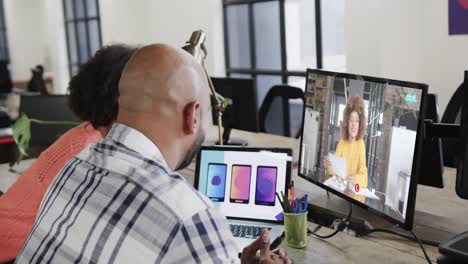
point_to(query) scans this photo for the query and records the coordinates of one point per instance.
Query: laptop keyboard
(245, 231)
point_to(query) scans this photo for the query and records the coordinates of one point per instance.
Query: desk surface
(439, 214)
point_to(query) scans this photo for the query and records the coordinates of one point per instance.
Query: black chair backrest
(48, 108)
(452, 115)
(271, 113)
(5, 79)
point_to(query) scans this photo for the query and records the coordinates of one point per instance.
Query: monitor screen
(241, 113)
(361, 140)
(242, 182)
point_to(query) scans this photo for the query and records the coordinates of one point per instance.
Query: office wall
(25, 31)
(445, 57)
(56, 45)
(405, 40)
(172, 22)
(36, 36)
(125, 21)
(383, 38)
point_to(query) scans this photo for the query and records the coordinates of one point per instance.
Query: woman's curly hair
(354, 104)
(94, 91)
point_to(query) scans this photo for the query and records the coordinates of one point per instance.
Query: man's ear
(191, 117)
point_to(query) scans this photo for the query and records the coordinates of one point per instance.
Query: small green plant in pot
(22, 133)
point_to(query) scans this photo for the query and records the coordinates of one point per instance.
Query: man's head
(94, 92)
(164, 94)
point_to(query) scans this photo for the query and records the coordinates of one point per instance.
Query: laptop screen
(242, 182)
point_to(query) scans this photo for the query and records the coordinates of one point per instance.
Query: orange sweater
(19, 205)
(355, 155)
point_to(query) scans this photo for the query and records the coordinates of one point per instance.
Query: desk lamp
(196, 46)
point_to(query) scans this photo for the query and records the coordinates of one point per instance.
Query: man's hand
(249, 254)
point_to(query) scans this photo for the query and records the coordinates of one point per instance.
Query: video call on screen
(359, 139)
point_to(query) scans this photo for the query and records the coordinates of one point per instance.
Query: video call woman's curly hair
(354, 104)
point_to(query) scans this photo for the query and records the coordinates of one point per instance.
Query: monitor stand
(325, 217)
(325, 210)
(231, 142)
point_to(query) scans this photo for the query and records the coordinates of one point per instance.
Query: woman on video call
(351, 146)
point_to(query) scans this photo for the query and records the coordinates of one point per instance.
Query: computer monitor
(242, 111)
(48, 108)
(433, 170)
(354, 145)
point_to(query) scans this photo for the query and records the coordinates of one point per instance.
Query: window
(275, 41)
(83, 30)
(4, 52)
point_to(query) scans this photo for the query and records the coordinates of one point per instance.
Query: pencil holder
(295, 229)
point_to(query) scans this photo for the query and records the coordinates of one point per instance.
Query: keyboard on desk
(246, 231)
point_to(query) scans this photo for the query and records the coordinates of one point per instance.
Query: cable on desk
(341, 226)
(414, 238)
(384, 230)
(422, 247)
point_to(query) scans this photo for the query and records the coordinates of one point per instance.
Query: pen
(293, 195)
(286, 204)
(295, 206)
(281, 203)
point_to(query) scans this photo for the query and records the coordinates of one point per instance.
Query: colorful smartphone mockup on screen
(240, 183)
(216, 183)
(266, 185)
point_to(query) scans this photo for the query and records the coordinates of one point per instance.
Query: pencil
(286, 203)
(281, 202)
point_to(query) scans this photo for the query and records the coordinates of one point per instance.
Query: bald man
(120, 200)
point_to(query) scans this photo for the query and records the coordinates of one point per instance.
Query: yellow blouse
(355, 155)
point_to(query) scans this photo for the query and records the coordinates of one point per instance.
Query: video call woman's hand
(326, 162)
(351, 179)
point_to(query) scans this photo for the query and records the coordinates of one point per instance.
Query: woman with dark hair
(351, 146)
(94, 99)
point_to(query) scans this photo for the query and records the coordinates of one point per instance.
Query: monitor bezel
(410, 209)
(287, 151)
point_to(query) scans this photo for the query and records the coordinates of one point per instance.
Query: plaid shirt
(118, 202)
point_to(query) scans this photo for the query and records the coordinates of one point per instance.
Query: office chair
(5, 78)
(409, 120)
(49, 108)
(278, 115)
(452, 115)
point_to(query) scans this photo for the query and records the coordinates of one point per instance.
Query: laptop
(242, 183)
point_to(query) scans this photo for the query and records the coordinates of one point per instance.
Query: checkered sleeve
(203, 238)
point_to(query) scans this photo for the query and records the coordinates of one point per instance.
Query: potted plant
(22, 133)
(398, 105)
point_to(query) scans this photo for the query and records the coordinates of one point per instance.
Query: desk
(435, 219)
